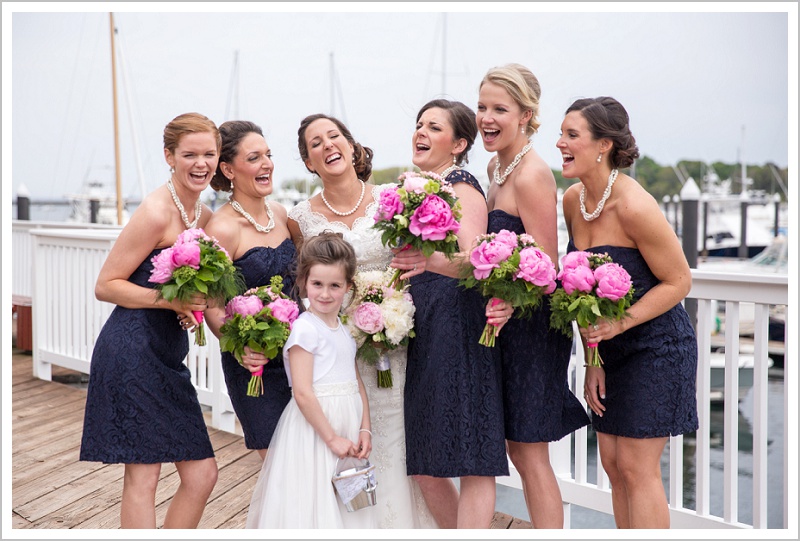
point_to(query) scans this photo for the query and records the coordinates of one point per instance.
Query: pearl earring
(171, 169)
(522, 129)
(600, 158)
(454, 161)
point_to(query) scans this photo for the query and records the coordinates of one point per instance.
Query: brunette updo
(608, 119)
(462, 120)
(232, 132)
(362, 156)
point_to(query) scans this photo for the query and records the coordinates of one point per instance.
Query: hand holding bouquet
(196, 263)
(592, 287)
(260, 319)
(422, 212)
(511, 267)
(380, 318)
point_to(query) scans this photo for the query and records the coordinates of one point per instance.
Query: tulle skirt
(294, 488)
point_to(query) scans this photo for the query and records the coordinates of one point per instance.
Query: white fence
(67, 318)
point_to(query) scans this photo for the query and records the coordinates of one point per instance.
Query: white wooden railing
(64, 265)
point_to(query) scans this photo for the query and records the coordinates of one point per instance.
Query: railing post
(690, 195)
(23, 203)
(743, 250)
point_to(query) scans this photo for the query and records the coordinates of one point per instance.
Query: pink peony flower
(368, 318)
(190, 236)
(246, 305)
(389, 204)
(572, 260)
(162, 266)
(487, 256)
(414, 183)
(613, 282)
(577, 278)
(433, 219)
(504, 236)
(285, 310)
(536, 267)
(187, 253)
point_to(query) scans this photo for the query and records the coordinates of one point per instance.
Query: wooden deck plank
(52, 489)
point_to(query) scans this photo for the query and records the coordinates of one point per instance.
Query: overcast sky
(711, 86)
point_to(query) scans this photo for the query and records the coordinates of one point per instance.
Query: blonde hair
(523, 87)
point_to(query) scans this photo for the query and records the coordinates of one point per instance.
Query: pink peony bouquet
(260, 319)
(592, 287)
(196, 263)
(422, 212)
(380, 318)
(511, 267)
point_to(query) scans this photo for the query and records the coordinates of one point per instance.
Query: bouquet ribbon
(256, 385)
(593, 355)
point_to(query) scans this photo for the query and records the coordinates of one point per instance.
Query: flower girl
(328, 415)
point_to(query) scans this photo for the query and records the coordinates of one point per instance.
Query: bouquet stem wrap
(255, 387)
(593, 355)
(384, 368)
(200, 331)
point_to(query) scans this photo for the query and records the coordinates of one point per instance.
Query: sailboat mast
(116, 121)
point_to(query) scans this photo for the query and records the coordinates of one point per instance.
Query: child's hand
(342, 447)
(364, 444)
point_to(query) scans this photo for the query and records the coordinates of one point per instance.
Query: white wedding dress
(400, 501)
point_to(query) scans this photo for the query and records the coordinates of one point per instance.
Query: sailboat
(95, 202)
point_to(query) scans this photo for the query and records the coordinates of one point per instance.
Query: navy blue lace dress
(453, 395)
(141, 406)
(259, 415)
(651, 369)
(539, 407)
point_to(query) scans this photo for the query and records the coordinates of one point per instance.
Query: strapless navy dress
(539, 407)
(259, 415)
(651, 369)
(141, 406)
(453, 393)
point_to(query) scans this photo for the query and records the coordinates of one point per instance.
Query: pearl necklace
(498, 179)
(589, 217)
(349, 212)
(198, 208)
(260, 228)
(449, 170)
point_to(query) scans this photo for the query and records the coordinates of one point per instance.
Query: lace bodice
(366, 240)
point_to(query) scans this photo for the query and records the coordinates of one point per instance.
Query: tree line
(659, 180)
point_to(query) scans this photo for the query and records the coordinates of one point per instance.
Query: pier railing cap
(22, 191)
(690, 190)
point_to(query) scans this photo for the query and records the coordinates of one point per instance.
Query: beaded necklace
(260, 228)
(606, 194)
(500, 179)
(198, 208)
(348, 213)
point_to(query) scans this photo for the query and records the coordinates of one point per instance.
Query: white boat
(95, 194)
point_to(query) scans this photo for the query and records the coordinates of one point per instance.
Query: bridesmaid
(141, 407)
(645, 390)
(453, 395)
(539, 407)
(254, 233)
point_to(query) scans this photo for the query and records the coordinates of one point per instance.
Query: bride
(346, 205)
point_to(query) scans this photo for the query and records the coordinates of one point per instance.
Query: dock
(52, 489)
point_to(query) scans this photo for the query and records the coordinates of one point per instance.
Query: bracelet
(365, 430)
